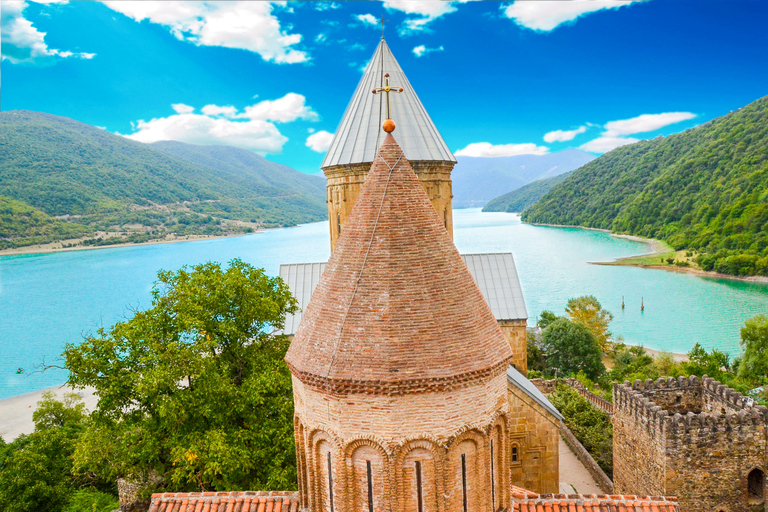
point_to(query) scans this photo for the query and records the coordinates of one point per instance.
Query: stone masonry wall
(712, 438)
(536, 435)
(515, 331)
(638, 449)
(346, 181)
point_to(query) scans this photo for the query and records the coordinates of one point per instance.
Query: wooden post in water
(642, 306)
(622, 302)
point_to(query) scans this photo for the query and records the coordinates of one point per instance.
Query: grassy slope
(703, 190)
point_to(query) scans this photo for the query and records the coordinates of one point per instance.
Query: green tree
(753, 365)
(587, 311)
(195, 389)
(36, 469)
(545, 318)
(571, 348)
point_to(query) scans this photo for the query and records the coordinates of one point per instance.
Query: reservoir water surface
(48, 300)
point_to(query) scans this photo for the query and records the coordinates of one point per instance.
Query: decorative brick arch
(320, 443)
(500, 456)
(468, 470)
(419, 468)
(357, 454)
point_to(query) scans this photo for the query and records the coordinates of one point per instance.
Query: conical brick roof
(359, 134)
(396, 309)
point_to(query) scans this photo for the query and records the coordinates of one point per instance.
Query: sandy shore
(57, 246)
(16, 412)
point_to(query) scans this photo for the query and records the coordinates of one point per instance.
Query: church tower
(359, 135)
(399, 366)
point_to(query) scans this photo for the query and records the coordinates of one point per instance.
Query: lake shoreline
(657, 247)
(55, 247)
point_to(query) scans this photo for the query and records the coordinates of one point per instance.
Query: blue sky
(498, 78)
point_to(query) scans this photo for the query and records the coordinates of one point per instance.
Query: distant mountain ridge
(703, 190)
(478, 180)
(99, 182)
(518, 200)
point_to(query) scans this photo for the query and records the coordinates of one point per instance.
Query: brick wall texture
(399, 366)
(692, 438)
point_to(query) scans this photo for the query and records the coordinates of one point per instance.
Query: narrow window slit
(338, 224)
(493, 480)
(330, 481)
(370, 486)
(464, 480)
(419, 491)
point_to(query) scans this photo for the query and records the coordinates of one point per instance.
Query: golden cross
(382, 20)
(386, 90)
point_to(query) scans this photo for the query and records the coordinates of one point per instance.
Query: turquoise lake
(49, 300)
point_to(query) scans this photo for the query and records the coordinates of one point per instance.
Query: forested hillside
(520, 199)
(705, 190)
(68, 178)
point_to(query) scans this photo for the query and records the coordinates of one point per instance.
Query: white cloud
(563, 135)
(319, 141)
(181, 108)
(489, 150)
(423, 50)
(645, 123)
(252, 129)
(605, 143)
(245, 25)
(324, 6)
(367, 19)
(22, 43)
(321, 38)
(290, 107)
(546, 16)
(215, 110)
(424, 12)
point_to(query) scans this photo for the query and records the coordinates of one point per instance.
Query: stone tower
(399, 366)
(359, 135)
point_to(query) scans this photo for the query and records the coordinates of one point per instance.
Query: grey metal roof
(359, 134)
(518, 380)
(495, 275)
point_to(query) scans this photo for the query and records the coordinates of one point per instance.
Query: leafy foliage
(587, 311)
(705, 189)
(36, 470)
(592, 427)
(753, 365)
(520, 199)
(97, 181)
(194, 389)
(571, 348)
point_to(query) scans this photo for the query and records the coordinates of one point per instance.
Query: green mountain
(520, 199)
(89, 182)
(704, 190)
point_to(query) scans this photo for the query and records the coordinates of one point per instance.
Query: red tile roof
(244, 501)
(396, 308)
(527, 501)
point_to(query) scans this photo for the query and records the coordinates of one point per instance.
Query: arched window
(466, 478)
(367, 481)
(756, 485)
(338, 224)
(515, 453)
(419, 479)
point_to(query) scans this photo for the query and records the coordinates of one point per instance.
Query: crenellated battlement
(692, 437)
(671, 408)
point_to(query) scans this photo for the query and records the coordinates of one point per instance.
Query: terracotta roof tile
(396, 305)
(244, 501)
(527, 501)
